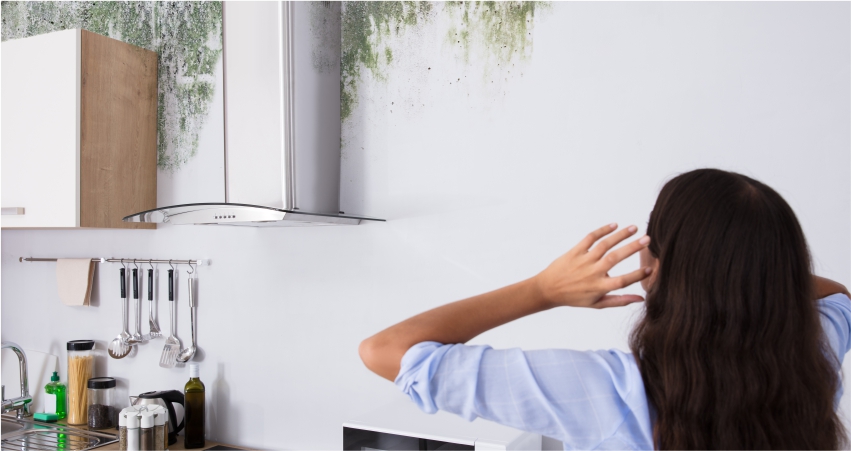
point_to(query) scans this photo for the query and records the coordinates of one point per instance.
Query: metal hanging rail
(199, 262)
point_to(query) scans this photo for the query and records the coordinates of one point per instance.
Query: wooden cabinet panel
(118, 132)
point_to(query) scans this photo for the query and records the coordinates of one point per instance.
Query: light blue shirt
(586, 399)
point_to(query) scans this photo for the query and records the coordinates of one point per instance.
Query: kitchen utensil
(155, 328)
(172, 344)
(137, 336)
(118, 348)
(166, 399)
(187, 353)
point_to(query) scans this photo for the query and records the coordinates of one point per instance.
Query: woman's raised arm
(578, 278)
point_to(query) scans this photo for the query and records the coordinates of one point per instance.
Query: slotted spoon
(119, 348)
(172, 344)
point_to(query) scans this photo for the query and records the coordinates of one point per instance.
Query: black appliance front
(361, 440)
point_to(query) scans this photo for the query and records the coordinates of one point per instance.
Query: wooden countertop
(177, 446)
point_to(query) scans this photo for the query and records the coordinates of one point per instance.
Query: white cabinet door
(40, 139)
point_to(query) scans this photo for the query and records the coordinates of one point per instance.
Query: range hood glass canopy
(240, 215)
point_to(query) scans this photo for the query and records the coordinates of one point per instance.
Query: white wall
(616, 99)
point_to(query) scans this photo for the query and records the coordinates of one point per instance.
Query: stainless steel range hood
(281, 63)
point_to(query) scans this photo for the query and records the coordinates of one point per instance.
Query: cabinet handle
(12, 211)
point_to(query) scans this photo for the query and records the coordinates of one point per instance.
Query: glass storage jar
(80, 366)
(101, 401)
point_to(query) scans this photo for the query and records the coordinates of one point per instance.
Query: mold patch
(365, 27)
(186, 35)
(325, 30)
(497, 33)
(502, 31)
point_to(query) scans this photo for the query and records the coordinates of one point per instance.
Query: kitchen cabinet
(79, 131)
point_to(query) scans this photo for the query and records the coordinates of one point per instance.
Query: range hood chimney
(281, 64)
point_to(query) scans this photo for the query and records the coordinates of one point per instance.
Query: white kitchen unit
(78, 132)
(403, 426)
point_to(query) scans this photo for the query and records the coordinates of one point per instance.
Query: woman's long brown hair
(731, 348)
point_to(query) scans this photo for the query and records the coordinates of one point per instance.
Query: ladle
(119, 348)
(186, 354)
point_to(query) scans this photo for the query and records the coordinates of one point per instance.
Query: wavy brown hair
(730, 346)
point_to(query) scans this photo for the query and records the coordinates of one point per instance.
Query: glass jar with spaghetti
(80, 366)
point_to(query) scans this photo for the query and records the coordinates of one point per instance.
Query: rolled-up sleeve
(578, 397)
(835, 312)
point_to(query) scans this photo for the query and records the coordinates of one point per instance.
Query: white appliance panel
(253, 103)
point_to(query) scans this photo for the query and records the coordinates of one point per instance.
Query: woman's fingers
(623, 252)
(625, 280)
(612, 300)
(586, 243)
(604, 246)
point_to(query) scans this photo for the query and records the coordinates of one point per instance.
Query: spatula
(172, 344)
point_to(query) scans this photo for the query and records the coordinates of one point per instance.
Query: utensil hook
(134, 264)
(193, 270)
(169, 264)
(122, 264)
(151, 265)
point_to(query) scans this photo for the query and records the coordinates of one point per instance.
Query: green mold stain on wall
(187, 37)
(503, 28)
(500, 32)
(364, 26)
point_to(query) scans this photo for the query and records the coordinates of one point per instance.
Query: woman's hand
(580, 277)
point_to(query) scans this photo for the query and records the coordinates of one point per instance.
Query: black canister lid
(81, 345)
(102, 382)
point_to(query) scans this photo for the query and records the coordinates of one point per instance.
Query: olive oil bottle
(194, 406)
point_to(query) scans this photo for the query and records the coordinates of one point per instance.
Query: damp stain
(366, 26)
(325, 32)
(503, 30)
(499, 33)
(186, 36)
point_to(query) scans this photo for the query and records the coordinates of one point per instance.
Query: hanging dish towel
(74, 279)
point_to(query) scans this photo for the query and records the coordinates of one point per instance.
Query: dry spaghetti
(79, 373)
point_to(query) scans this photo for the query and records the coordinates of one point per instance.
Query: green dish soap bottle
(194, 406)
(54, 401)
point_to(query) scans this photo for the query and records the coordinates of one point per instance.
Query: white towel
(74, 279)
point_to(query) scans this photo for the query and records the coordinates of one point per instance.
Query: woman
(739, 346)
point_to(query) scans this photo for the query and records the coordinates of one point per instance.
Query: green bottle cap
(55, 377)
